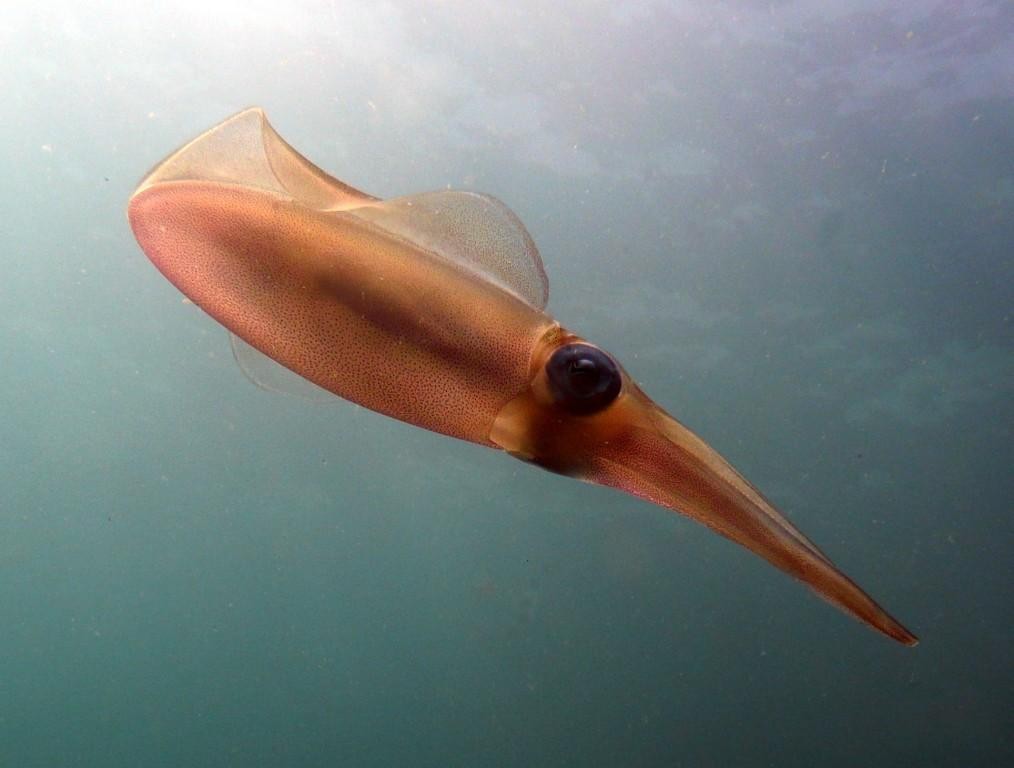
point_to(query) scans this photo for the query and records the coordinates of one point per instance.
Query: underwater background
(793, 222)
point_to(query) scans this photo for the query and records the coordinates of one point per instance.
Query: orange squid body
(431, 309)
(325, 295)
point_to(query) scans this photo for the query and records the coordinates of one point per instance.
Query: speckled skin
(357, 312)
(388, 309)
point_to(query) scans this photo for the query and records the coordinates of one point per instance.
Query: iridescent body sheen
(431, 309)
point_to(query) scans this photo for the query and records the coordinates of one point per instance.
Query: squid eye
(583, 379)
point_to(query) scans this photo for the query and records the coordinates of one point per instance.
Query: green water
(792, 222)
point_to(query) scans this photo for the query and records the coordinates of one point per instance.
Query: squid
(431, 309)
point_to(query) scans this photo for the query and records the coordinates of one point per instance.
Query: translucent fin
(275, 377)
(475, 232)
(244, 149)
(472, 231)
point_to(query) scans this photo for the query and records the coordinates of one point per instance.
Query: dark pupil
(583, 378)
